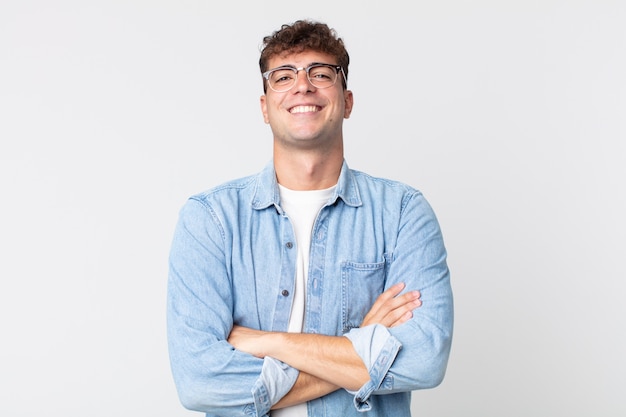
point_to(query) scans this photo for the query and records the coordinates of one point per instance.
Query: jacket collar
(266, 193)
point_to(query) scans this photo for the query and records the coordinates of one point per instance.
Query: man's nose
(303, 84)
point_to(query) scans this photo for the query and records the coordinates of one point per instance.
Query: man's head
(303, 102)
(301, 36)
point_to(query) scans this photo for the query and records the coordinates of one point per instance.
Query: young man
(309, 288)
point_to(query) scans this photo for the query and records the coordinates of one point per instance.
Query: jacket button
(289, 245)
(285, 293)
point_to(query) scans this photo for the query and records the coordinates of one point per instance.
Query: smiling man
(309, 289)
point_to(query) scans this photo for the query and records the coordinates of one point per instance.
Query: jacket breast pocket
(361, 284)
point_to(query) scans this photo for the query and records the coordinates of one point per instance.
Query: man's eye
(322, 73)
(283, 76)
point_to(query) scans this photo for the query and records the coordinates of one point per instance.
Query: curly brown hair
(304, 35)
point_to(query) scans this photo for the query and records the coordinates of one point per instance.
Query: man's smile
(304, 109)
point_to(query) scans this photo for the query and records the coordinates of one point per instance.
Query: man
(309, 288)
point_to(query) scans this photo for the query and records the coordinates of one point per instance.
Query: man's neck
(307, 170)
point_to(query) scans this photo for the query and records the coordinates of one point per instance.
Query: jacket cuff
(378, 350)
(275, 381)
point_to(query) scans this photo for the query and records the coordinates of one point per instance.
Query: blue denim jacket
(233, 260)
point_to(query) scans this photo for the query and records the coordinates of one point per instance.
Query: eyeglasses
(320, 75)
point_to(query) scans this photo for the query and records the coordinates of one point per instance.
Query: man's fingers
(403, 309)
(391, 309)
(403, 319)
(389, 294)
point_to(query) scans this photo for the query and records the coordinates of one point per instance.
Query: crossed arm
(326, 363)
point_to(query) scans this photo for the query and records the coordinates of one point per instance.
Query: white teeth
(304, 109)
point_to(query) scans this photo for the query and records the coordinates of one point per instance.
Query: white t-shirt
(302, 208)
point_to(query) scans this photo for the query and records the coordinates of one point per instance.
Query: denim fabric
(233, 260)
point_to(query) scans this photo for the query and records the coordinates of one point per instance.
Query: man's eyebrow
(322, 63)
(306, 66)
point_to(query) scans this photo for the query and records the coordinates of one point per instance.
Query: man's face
(306, 117)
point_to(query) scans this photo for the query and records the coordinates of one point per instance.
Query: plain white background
(508, 115)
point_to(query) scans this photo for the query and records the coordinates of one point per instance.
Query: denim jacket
(233, 261)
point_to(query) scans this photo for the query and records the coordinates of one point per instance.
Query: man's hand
(247, 340)
(391, 309)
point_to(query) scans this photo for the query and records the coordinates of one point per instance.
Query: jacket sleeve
(209, 374)
(415, 354)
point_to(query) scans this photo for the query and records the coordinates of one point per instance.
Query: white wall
(508, 115)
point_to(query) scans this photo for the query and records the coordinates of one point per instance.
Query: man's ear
(263, 102)
(348, 103)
